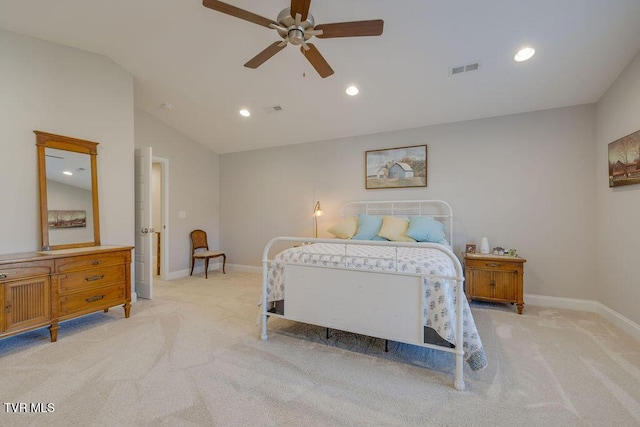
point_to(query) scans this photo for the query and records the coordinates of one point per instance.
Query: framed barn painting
(624, 160)
(396, 167)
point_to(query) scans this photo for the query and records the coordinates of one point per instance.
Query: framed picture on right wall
(624, 160)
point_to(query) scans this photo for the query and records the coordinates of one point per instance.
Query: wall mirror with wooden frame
(68, 180)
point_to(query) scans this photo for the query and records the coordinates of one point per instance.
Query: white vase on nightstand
(484, 246)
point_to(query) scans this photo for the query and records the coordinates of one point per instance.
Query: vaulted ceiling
(192, 57)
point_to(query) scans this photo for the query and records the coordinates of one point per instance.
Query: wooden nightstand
(494, 278)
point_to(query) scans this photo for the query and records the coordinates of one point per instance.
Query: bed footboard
(381, 304)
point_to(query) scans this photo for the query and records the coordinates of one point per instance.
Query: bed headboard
(437, 209)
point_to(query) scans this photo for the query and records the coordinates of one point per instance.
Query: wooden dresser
(494, 278)
(43, 288)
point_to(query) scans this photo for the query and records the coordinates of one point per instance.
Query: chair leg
(193, 261)
(224, 261)
(206, 268)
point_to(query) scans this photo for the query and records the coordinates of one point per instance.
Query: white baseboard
(620, 321)
(245, 268)
(213, 266)
(559, 302)
(173, 275)
(612, 316)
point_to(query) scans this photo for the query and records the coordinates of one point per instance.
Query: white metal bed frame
(359, 299)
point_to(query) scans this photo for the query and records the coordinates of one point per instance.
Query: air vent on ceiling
(459, 69)
(273, 109)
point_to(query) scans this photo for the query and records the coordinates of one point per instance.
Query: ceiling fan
(296, 25)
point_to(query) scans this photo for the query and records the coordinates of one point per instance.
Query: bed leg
(458, 381)
(264, 335)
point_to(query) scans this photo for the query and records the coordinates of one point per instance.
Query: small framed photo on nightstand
(470, 248)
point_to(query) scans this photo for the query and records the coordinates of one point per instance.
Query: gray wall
(70, 92)
(525, 181)
(193, 187)
(618, 249)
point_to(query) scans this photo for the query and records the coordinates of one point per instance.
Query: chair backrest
(199, 240)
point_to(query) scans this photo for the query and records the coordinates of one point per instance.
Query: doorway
(159, 216)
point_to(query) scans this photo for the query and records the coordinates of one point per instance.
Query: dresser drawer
(92, 300)
(84, 262)
(497, 264)
(93, 278)
(25, 269)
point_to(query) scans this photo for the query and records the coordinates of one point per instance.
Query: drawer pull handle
(94, 298)
(95, 262)
(3, 275)
(492, 264)
(93, 278)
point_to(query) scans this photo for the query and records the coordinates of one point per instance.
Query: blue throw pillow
(368, 227)
(425, 229)
(380, 238)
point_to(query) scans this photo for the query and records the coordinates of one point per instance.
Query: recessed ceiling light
(352, 91)
(67, 173)
(244, 112)
(167, 106)
(524, 54)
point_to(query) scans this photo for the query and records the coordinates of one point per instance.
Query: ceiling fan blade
(262, 57)
(315, 58)
(301, 7)
(351, 29)
(238, 13)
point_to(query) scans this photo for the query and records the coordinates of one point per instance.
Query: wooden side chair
(200, 250)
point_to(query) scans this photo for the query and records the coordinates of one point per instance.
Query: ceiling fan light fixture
(524, 54)
(244, 112)
(352, 90)
(296, 36)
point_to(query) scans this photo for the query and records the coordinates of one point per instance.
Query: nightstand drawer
(494, 264)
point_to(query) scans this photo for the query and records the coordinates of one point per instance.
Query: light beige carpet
(193, 357)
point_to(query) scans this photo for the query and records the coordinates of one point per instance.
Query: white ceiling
(192, 57)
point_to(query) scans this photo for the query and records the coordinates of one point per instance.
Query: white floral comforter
(440, 300)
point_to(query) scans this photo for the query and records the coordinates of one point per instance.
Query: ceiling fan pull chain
(304, 66)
